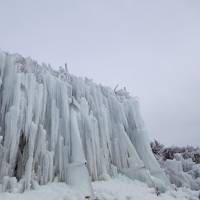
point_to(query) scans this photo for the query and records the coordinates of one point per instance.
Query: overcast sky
(151, 47)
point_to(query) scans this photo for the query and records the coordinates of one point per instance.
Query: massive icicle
(57, 126)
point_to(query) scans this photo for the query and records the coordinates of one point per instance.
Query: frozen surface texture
(55, 126)
(119, 188)
(181, 164)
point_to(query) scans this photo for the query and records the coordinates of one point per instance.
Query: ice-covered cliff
(55, 126)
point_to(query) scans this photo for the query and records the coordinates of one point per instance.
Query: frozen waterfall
(58, 127)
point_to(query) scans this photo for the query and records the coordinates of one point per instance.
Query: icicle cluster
(55, 126)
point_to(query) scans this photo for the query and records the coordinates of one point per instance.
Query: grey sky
(151, 47)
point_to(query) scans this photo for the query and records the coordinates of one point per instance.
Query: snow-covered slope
(58, 126)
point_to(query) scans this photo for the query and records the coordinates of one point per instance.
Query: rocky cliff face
(55, 126)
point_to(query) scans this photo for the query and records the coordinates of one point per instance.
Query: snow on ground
(120, 188)
(123, 188)
(51, 191)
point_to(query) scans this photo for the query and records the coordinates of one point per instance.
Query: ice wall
(55, 126)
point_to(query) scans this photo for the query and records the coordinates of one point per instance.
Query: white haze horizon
(150, 47)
